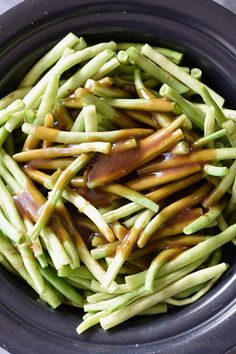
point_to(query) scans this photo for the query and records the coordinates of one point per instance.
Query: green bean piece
(106, 68)
(134, 196)
(156, 263)
(181, 148)
(204, 141)
(207, 97)
(230, 128)
(105, 91)
(230, 207)
(32, 267)
(201, 292)
(81, 44)
(157, 195)
(215, 170)
(173, 55)
(192, 112)
(209, 125)
(66, 137)
(48, 60)
(4, 262)
(16, 106)
(55, 248)
(9, 208)
(90, 119)
(80, 271)
(170, 211)
(86, 72)
(3, 135)
(219, 191)
(126, 246)
(56, 193)
(159, 296)
(122, 56)
(14, 258)
(154, 310)
(155, 71)
(174, 70)
(196, 73)
(62, 286)
(88, 209)
(13, 96)
(78, 125)
(62, 151)
(105, 251)
(83, 97)
(205, 219)
(9, 230)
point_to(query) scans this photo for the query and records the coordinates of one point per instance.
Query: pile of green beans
(118, 183)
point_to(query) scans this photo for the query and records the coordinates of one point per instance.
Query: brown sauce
(96, 196)
(115, 165)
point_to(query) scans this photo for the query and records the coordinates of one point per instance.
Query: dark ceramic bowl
(206, 32)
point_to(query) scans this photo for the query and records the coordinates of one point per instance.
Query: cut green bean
(90, 119)
(207, 139)
(13, 96)
(173, 69)
(32, 267)
(230, 207)
(155, 71)
(48, 60)
(219, 191)
(181, 148)
(205, 219)
(156, 263)
(6, 113)
(196, 296)
(62, 286)
(62, 151)
(9, 230)
(7, 204)
(215, 170)
(151, 300)
(230, 128)
(209, 125)
(122, 56)
(187, 107)
(106, 68)
(86, 72)
(65, 137)
(170, 211)
(134, 196)
(154, 310)
(78, 125)
(196, 73)
(80, 44)
(126, 246)
(173, 55)
(56, 194)
(105, 91)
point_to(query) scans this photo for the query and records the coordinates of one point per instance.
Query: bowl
(206, 33)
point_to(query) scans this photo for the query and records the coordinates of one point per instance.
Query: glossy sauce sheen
(118, 164)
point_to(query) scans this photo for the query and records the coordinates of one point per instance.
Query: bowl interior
(203, 48)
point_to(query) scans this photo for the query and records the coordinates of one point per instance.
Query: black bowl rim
(38, 12)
